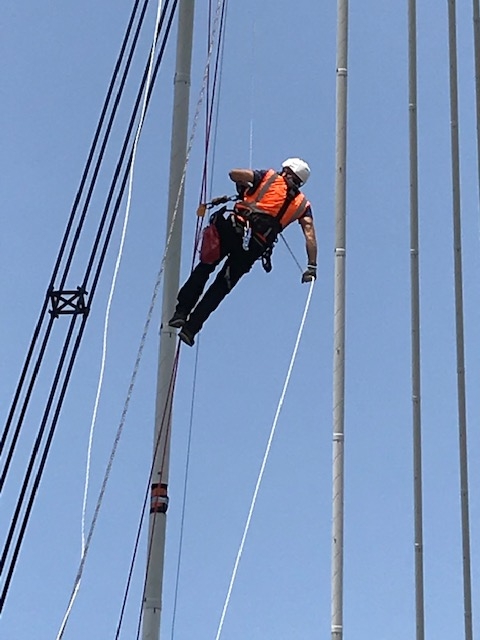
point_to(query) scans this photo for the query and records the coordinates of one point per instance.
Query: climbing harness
(247, 234)
(275, 197)
(248, 220)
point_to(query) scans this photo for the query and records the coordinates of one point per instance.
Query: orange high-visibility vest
(269, 198)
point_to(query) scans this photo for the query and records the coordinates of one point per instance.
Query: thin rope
(147, 322)
(108, 309)
(252, 88)
(205, 186)
(459, 320)
(165, 420)
(168, 424)
(116, 270)
(194, 128)
(264, 462)
(220, 76)
(185, 489)
(291, 253)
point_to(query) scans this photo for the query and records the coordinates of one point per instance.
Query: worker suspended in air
(268, 202)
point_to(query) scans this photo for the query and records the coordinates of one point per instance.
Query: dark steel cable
(68, 229)
(105, 247)
(291, 252)
(26, 401)
(35, 449)
(49, 404)
(67, 233)
(46, 449)
(125, 147)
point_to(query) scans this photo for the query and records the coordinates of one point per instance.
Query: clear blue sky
(279, 74)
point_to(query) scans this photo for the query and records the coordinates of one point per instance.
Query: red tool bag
(210, 250)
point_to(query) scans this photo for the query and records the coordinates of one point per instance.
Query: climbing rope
(108, 308)
(263, 465)
(185, 488)
(146, 328)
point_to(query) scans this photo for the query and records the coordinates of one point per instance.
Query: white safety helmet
(299, 167)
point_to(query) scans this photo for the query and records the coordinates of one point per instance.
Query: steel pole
(157, 526)
(339, 322)
(460, 346)
(476, 37)
(415, 321)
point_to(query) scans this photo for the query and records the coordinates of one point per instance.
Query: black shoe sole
(187, 339)
(177, 323)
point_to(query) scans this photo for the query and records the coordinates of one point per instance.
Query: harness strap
(291, 193)
(266, 186)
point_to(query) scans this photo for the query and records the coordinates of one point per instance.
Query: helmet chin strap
(291, 178)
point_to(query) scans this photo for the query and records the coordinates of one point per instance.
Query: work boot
(187, 336)
(178, 319)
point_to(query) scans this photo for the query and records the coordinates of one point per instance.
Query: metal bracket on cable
(68, 302)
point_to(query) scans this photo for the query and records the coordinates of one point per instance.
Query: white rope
(264, 462)
(86, 545)
(252, 88)
(107, 311)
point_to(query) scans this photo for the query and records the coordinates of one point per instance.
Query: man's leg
(191, 291)
(238, 263)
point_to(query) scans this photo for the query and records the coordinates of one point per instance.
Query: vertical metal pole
(461, 392)
(476, 38)
(339, 322)
(157, 530)
(415, 320)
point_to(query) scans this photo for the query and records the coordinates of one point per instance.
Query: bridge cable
(80, 310)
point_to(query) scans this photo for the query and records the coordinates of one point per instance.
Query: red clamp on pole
(159, 498)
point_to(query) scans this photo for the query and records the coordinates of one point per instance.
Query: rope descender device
(202, 207)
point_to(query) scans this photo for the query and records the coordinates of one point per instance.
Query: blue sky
(279, 77)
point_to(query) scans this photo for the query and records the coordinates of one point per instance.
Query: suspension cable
(81, 310)
(69, 228)
(56, 268)
(107, 314)
(165, 420)
(185, 488)
(263, 465)
(415, 323)
(143, 339)
(460, 345)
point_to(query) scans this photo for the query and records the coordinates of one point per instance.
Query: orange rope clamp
(159, 498)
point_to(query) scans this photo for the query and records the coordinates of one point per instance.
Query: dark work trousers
(237, 263)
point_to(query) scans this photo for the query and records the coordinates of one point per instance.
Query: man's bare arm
(308, 229)
(242, 176)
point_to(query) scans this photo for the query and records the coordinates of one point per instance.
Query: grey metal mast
(415, 321)
(476, 36)
(339, 322)
(168, 340)
(461, 391)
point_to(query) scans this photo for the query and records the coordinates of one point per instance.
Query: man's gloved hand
(310, 274)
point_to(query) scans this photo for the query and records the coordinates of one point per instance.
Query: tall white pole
(339, 322)
(415, 321)
(156, 545)
(461, 391)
